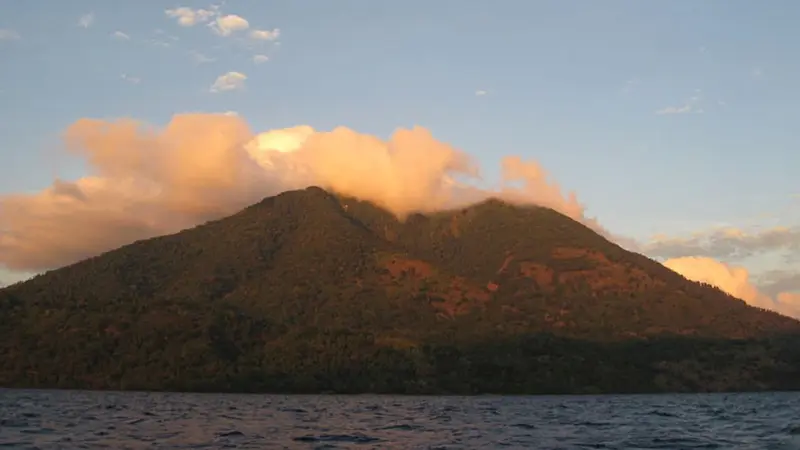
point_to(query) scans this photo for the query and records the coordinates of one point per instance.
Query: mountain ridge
(311, 291)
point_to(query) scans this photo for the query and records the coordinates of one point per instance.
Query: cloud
(690, 106)
(188, 17)
(200, 58)
(7, 34)
(260, 59)
(630, 85)
(726, 243)
(131, 79)
(774, 282)
(227, 25)
(121, 36)
(266, 35)
(86, 20)
(229, 82)
(736, 282)
(757, 72)
(145, 182)
(480, 93)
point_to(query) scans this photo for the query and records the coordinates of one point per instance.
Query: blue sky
(665, 118)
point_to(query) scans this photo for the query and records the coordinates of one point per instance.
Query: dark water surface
(72, 419)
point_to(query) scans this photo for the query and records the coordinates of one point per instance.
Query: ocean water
(117, 420)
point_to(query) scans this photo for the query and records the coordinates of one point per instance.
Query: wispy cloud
(266, 35)
(630, 85)
(260, 59)
(86, 20)
(757, 72)
(690, 106)
(481, 93)
(726, 243)
(7, 34)
(188, 17)
(131, 79)
(230, 81)
(200, 58)
(774, 282)
(121, 36)
(229, 24)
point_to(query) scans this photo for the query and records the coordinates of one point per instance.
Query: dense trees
(299, 294)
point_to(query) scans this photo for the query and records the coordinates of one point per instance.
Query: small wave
(659, 413)
(293, 410)
(402, 427)
(351, 438)
(232, 433)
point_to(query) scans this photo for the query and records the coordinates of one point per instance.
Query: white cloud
(757, 72)
(7, 34)
(86, 20)
(130, 79)
(200, 58)
(229, 82)
(266, 35)
(691, 106)
(188, 17)
(260, 59)
(120, 35)
(227, 25)
(480, 93)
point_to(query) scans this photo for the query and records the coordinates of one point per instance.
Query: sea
(42, 419)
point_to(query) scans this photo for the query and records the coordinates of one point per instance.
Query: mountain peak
(308, 280)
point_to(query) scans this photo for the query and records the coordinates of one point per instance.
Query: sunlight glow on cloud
(188, 17)
(266, 35)
(146, 182)
(229, 82)
(735, 281)
(227, 25)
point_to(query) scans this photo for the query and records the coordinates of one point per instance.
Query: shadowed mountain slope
(309, 291)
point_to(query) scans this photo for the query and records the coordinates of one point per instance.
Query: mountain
(309, 291)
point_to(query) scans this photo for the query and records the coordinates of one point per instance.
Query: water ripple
(89, 420)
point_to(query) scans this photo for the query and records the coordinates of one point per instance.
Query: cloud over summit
(146, 181)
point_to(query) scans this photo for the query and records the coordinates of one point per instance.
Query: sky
(669, 122)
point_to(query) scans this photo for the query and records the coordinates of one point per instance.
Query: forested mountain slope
(308, 291)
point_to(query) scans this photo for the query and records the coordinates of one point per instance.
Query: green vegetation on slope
(311, 292)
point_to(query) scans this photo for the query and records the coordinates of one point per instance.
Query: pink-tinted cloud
(736, 282)
(146, 182)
